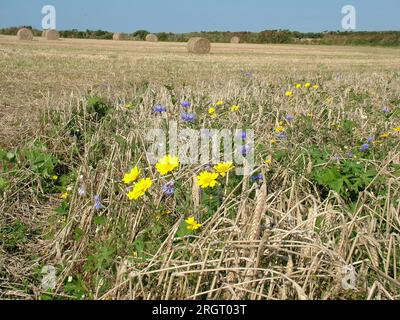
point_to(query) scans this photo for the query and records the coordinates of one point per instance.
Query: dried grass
(199, 45)
(25, 34)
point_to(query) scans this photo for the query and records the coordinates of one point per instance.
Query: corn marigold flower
(298, 86)
(54, 178)
(223, 168)
(316, 87)
(140, 188)
(289, 93)
(397, 129)
(131, 176)
(167, 165)
(235, 108)
(307, 85)
(192, 224)
(385, 135)
(207, 179)
(279, 129)
(64, 196)
(268, 161)
(211, 111)
(220, 103)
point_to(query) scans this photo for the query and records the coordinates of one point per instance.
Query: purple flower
(188, 117)
(386, 110)
(159, 108)
(281, 135)
(243, 135)
(364, 147)
(97, 203)
(289, 118)
(169, 188)
(258, 177)
(185, 104)
(371, 139)
(245, 150)
(350, 155)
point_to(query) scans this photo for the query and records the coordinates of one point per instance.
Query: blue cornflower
(159, 108)
(188, 117)
(185, 104)
(364, 147)
(243, 135)
(245, 150)
(169, 188)
(350, 155)
(386, 110)
(281, 135)
(371, 139)
(97, 202)
(289, 118)
(258, 177)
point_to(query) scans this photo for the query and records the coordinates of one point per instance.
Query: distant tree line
(384, 38)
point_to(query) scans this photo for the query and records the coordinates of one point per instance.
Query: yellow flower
(54, 177)
(316, 87)
(140, 189)
(289, 93)
(235, 108)
(193, 225)
(207, 179)
(223, 168)
(307, 85)
(268, 161)
(131, 176)
(167, 164)
(385, 135)
(274, 142)
(211, 111)
(279, 129)
(64, 196)
(299, 86)
(220, 103)
(397, 129)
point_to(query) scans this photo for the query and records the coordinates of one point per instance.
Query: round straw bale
(151, 38)
(119, 36)
(199, 45)
(52, 35)
(235, 40)
(24, 34)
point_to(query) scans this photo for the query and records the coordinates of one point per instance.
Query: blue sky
(203, 15)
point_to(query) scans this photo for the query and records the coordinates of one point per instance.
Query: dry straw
(151, 38)
(24, 34)
(44, 33)
(52, 35)
(119, 36)
(199, 45)
(235, 40)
